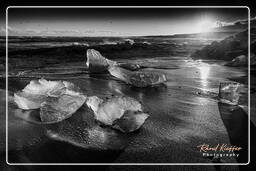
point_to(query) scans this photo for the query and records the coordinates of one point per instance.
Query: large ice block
(96, 63)
(109, 111)
(56, 109)
(137, 78)
(229, 92)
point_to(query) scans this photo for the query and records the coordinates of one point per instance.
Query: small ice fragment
(137, 78)
(56, 109)
(229, 92)
(108, 112)
(96, 63)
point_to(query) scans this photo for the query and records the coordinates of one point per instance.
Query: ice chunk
(57, 100)
(96, 63)
(229, 92)
(56, 109)
(37, 91)
(108, 112)
(130, 121)
(137, 78)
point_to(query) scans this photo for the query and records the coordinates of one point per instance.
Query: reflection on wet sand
(204, 70)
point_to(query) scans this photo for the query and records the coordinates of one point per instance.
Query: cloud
(237, 22)
(234, 26)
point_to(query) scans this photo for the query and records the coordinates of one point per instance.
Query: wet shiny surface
(184, 113)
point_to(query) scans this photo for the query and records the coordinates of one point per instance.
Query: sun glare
(205, 25)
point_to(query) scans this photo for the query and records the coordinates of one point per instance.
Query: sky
(117, 21)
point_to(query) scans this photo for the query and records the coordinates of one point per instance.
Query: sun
(205, 25)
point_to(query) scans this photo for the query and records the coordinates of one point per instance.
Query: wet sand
(184, 113)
